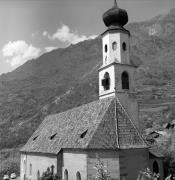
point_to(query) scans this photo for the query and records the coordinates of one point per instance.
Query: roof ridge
(117, 133)
(83, 105)
(43, 123)
(68, 124)
(129, 118)
(100, 123)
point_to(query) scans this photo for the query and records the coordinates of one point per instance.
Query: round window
(124, 46)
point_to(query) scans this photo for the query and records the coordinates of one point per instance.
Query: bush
(9, 161)
(102, 173)
(49, 175)
(146, 174)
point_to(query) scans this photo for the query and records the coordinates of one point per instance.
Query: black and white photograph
(87, 89)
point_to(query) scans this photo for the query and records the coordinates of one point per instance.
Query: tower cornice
(115, 63)
(115, 30)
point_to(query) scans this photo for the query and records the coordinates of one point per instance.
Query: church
(70, 141)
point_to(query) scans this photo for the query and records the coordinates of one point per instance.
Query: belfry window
(106, 48)
(106, 81)
(125, 80)
(114, 46)
(124, 46)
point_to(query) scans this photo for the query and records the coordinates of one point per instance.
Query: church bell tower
(116, 76)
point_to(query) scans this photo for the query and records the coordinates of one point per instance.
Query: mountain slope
(66, 78)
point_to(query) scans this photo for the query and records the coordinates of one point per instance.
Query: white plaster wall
(119, 69)
(111, 72)
(75, 161)
(129, 103)
(112, 56)
(115, 54)
(105, 41)
(38, 162)
(125, 55)
(23, 166)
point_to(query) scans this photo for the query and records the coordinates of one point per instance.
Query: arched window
(30, 169)
(106, 48)
(114, 46)
(66, 174)
(124, 46)
(78, 175)
(155, 167)
(106, 81)
(38, 175)
(125, 80)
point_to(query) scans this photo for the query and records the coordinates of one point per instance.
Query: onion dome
(115, 16)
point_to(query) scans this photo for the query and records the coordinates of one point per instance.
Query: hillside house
(70, 141)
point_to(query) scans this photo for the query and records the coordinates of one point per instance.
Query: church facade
(69, 142)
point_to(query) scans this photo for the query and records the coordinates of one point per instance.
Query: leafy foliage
(10, 161)
(102, 172)
(146, 174)
(49, 175)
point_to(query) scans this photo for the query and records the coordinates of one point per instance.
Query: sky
(29, 28)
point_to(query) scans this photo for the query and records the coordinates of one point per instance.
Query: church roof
(102, 124)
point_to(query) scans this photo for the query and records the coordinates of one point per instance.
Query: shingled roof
(102, 124)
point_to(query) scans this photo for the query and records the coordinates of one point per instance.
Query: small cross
(115, 2)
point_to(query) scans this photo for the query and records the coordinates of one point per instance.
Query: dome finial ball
(115, 16)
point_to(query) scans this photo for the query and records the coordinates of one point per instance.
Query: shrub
(102, 172)
(146, 174)
(49, 175)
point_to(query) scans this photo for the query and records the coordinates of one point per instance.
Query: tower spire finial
(115, 2)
